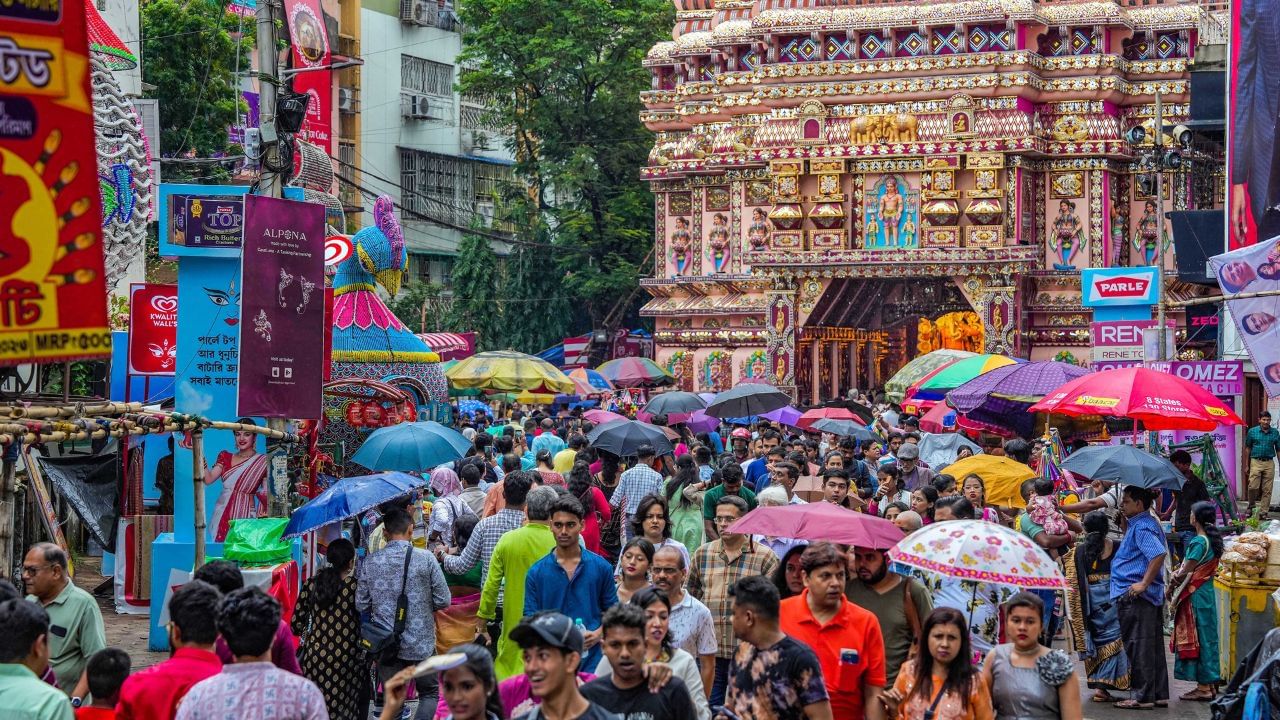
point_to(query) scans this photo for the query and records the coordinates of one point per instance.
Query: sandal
(1197, 696)
(1102, 696)
(1134, 705)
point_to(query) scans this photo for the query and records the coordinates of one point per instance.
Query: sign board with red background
(312, 52)
(153, 329)
(53, 299)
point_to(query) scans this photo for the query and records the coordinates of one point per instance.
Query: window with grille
(452, 189)
(425, 76)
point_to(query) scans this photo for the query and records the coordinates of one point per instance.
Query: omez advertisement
(53, 299)
(282, 309)
(153, 329)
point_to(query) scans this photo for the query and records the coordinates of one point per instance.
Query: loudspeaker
(1197, 236)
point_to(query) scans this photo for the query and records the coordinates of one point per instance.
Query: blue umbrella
(474, 406)
(349, 497)
(411, 447)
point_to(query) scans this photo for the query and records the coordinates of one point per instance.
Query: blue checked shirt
(634, 484)
(483, 540)
(1143, 542)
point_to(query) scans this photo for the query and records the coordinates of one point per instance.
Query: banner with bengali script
(311, 53)
(1255, 269)
(282, 321)
(53, 297)
(153, 329)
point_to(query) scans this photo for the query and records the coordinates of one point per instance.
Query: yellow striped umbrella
(509, 371)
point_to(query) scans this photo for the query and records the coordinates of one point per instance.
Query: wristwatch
(76, 702)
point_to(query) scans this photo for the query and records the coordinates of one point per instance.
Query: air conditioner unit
(417, 107)
(423, 12)
(347, 99)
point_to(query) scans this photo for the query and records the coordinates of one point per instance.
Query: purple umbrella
(1002, 396)
(784, 415)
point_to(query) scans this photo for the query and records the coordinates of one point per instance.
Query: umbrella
(600, 417)
(474, 406)
(591, 378)
(912, 372)
(748, 399)
(1125, 465)
(845, 428)
(788, 416)
(819, 521)
(939, 449)
(1002, 476)
(412, 446)
(1001, 397)
(834, 413)
(936, 385)
(979, 551)
(699, 421)
(1160, 401)
(635, 372)
(349, 497)
(672, 403)
(508, 371)
(941, 418)
(624, 437)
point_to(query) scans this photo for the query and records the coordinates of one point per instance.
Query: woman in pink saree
(244, 482)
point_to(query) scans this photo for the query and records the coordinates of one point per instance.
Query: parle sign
(1107, 287)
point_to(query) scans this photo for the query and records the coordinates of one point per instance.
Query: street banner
(206, 221)
(153, 329)
(311, 54)
(282, 319)
(1253, 269)
(1255, 184)
(53, 298)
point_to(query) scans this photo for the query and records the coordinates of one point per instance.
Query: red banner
(311, 52)
(53, 299)
(153, 329)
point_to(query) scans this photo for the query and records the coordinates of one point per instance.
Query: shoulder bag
(376, 637)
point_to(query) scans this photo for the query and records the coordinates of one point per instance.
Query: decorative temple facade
(842, 185)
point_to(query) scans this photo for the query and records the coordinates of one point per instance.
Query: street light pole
(1162, 350)
(268, 83)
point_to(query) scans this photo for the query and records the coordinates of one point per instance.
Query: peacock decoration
(370, 342)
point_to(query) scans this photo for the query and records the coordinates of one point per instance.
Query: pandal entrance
(861, 331)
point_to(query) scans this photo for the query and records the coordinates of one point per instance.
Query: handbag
(376, 637)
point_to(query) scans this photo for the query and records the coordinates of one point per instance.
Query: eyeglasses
(33, 570)
(725, 518)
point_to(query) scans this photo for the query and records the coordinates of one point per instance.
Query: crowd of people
(614, 587)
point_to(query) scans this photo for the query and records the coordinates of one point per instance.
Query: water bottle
(582, 627)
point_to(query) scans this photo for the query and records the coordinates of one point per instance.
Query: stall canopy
(450, 346)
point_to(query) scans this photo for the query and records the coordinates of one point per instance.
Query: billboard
(1250, 271)
(153, 329)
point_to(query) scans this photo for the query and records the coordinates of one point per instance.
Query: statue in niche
(758, 233)
(681, 240)
(890, 213)
(1147, 240)
(1067, 238)
(719, 241)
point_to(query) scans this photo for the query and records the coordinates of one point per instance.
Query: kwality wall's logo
(1120, 286)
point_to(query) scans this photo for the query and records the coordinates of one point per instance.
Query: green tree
(420, 307)
(536, 314)
(565, 77)
(475, 292)
(189, 53)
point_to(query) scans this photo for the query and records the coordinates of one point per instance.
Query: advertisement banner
(282, 319)
(311, 53)
(206, 221)
(53, 296)
(1255, 184)
(1110, 287)
(1119, 340)
(153, 329)
(1254, 269)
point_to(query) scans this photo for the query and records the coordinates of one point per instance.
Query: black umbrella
(670, 403)
(845, 428)
(861, 411)
(624, 437)
(1125, 465)
(746, 400)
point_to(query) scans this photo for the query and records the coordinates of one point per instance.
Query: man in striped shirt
(636, 483)
(515, 487)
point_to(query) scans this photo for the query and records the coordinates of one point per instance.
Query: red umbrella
(600, 417)
(820, 521)
(834, 413)
(1160, 401)
(936, 420)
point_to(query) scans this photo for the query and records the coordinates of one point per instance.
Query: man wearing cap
(636, 483)
(552, 649)
(914, 475)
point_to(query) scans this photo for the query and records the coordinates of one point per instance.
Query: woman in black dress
(328, 625)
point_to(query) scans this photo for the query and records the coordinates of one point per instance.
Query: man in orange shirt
(845, 637)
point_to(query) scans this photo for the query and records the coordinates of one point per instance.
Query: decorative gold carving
(945, 237)
(759, 193)
(983, 237)
(1066, 185)
(1070, 128)
(679, 204)
(717, 198)
(984, 160)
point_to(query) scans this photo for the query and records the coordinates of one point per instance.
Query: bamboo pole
(1224, 298)
(197, 474)
(8, 515)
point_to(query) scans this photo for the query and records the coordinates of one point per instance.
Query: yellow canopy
(508, 371)
(1002, 476)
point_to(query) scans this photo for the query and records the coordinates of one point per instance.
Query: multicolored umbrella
(820, 521)
(979, 551)
(935, 386)
(635, 372)
(1002, 476)
(911, 373)
(510, 371)
(1001, 397)
(1160, 401)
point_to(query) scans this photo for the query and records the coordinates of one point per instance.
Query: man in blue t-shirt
(1137, 588)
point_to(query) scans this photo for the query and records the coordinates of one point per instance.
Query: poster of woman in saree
(244, 481)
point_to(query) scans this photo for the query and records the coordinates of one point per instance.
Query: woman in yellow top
(940, 682)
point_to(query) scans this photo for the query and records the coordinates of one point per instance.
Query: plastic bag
(257, 541)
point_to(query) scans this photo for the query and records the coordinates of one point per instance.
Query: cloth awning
(450, 346)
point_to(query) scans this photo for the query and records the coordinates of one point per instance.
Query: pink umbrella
(820, 521)
(600, 417)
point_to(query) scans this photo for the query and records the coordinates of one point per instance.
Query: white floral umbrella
(980, 551)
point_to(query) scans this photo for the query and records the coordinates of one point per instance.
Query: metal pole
(1160, 243)
(8, 516)
(268, 82)
(197, 474)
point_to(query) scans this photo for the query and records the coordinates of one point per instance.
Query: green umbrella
(952, 376)
(911, 373)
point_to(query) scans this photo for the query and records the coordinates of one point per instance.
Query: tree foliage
(420, 307)
(565, 77)
(189, 51)
(475, 292)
